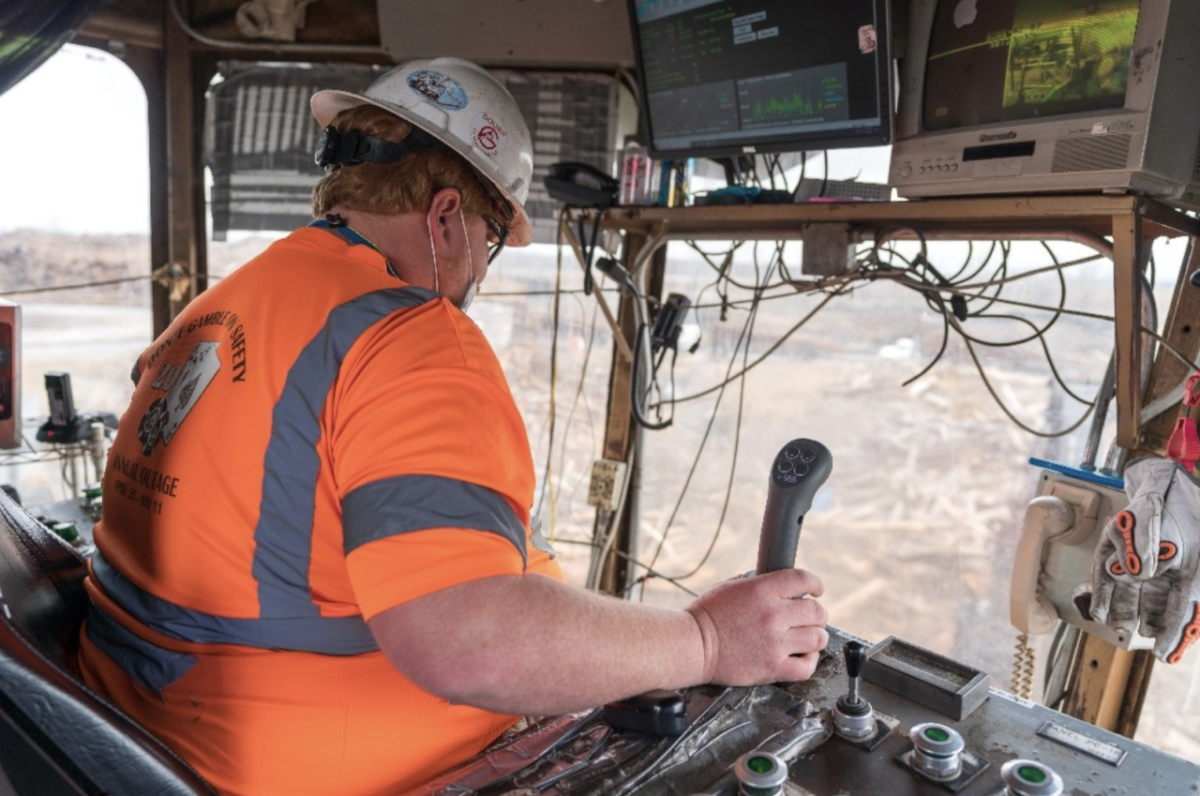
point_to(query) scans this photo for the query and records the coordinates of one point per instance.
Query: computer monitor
(736, 77)
(1049, 96)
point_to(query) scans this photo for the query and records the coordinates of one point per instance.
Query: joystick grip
(856, 656)
(797, 473)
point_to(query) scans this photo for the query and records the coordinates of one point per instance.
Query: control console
(884, 719)
(837, 734)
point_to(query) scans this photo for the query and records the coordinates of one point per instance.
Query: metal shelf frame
(1108, 686)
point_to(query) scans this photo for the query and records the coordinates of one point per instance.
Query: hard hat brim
(329, 103)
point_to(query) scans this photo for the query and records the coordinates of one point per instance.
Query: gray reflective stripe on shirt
(410, 503)
(283, 537)
(149, 664)
(343, 635)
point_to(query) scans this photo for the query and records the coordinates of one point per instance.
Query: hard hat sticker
(441, 90)
(488, 135)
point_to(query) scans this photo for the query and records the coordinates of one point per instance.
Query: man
(316, 573)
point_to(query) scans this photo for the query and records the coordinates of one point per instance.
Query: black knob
(856, 656)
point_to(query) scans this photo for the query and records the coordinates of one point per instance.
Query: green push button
(760, 765)
(66, 531)
(1032, 774)
(937, 734)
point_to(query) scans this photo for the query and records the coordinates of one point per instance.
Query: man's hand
(1145, 567)
(762, 629)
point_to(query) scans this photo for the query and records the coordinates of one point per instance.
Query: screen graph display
(734, 76)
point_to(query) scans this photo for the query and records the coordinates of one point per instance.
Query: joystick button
(807, 455)
(791, 452)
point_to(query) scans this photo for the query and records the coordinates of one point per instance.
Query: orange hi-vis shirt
(310, 443)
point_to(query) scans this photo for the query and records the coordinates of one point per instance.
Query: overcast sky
(74, 144)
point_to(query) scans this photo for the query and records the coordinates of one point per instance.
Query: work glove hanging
(1144, 575)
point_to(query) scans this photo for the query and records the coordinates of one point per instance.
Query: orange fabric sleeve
(423, 395)
(391, 571)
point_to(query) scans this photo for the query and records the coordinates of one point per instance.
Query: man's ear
(443, 214)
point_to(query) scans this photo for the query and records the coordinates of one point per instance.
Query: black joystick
(797, 473)
(853, 716)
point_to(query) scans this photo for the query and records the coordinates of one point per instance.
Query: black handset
(798, 471)
(581, 185)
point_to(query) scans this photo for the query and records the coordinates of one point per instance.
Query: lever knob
(853, 717)
(856, 656)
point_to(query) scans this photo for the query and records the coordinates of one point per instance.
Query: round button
(760, 773)
(1030, 778)
(937, 751)
(791, 452)
(807, 455)
(906, 171)
(953, 167)
(784, 466)
(801, 469)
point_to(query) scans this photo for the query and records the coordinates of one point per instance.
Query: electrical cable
(581, 395)
(967, 260)
(547, 485)
(588, 246)
(1004, 408)
(933, 297)
(784, 338)
(636, 399)
(737, 437)
(745, 336)
(1046, 349)
(611, 521)
(529, 293)
(157, 273)
(700, 450)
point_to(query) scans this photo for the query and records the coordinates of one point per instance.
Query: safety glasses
(497, 235)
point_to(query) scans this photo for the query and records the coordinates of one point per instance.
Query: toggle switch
(853, 717)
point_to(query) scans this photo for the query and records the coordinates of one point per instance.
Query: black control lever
(853, 717)
(796, 474)
(856, 656)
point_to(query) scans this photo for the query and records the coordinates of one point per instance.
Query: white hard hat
(464, 107)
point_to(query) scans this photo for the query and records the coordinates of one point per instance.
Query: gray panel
(559, 33)
(1098, 153)
(727, 723)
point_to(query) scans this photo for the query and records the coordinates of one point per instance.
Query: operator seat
(57, 735)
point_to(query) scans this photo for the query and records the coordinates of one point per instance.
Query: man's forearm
(531, 645)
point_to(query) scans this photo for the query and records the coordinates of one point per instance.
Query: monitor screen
(723, 77)
(996, 61)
